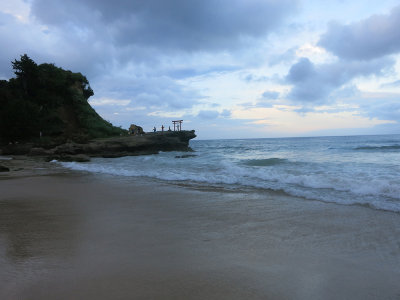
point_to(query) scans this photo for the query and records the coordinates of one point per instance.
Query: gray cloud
(254, 78)
(169, 24)
(208, 114)
(383, 106)
(65, 48)
(385, 110)
(137, 49)
(370, 38)
(315, 83)
(160, 93)
(13, 44)
(267, 99)
(186, 72)
(270, 95)
(92, 36)
(346, 91)
(225, 113)
(286, 57)
(213, 114)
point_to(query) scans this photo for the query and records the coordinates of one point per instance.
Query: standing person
(154, 129)
(162, 128)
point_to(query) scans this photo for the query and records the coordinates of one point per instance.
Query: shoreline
(72, 235)
(30, 166)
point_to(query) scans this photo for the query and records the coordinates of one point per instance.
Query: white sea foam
(310, 168)
(5, 158)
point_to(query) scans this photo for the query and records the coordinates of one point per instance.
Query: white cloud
(108, 101)
(289, 121)
(18, 8)
(314, 53)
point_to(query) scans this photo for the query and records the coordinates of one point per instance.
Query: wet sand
(81, 236)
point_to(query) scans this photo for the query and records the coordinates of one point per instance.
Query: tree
(45, 99)
(19, 119)
(26, 71)
(25, 67)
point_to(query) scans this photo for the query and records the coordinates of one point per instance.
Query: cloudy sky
(228, 68)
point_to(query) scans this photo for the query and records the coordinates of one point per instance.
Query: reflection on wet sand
(93, 237)
(32, 228)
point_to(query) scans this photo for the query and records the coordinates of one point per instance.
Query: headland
(45, 113)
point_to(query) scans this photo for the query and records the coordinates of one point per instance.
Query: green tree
(26, 71)
(49, 100)
(19, 120)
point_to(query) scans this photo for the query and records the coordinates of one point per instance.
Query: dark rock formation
(16, 149)
(135, 130)
(39, 152)
(4, 169)
(149, 143)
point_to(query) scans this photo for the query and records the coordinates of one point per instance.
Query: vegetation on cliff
(48, 102)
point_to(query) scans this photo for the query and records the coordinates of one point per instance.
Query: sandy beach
(69, 235)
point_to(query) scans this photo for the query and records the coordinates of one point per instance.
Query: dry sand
(80, 236)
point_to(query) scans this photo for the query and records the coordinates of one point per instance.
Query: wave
(266, 162)
(308, 183)
(378, 148)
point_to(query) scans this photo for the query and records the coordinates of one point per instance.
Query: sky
(227, 68)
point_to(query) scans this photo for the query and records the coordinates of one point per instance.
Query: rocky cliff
(149, 143)
(45, 112)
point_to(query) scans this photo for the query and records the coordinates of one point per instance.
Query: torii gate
(177, 125)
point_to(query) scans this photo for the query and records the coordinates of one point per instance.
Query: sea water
(346, 170)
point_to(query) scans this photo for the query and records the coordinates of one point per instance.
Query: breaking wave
(318, 169)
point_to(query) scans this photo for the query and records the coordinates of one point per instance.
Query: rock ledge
(149, 143)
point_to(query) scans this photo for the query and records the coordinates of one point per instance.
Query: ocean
(347, 170)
